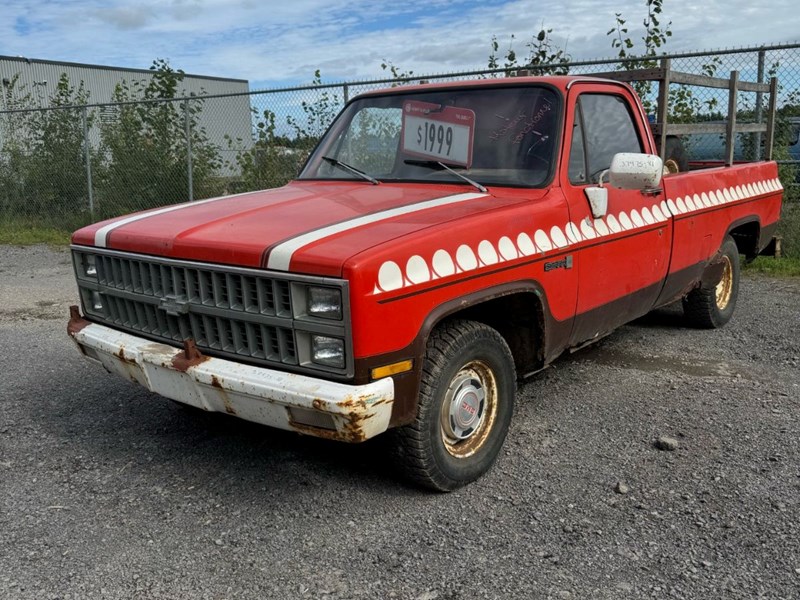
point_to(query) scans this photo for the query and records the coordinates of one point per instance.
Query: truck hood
(306, 226)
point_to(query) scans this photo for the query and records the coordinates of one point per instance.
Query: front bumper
(350, 413)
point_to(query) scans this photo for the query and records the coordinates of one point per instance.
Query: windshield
(490, 135)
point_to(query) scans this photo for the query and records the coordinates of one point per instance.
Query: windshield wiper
(433, 164)
(337, 163)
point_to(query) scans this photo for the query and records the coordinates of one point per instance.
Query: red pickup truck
(441, 243)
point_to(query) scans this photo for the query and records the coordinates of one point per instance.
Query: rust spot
(190, 357)
(317, 403)
(360, 402)
(216, 382)
(351, 433)
(120, 354)
(76, 322)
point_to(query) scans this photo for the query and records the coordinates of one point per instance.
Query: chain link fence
(66, 166)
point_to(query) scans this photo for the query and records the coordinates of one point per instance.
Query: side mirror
(632, 171)
(598, 200)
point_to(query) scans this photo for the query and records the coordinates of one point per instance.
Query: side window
(608, 129)
(577, 152)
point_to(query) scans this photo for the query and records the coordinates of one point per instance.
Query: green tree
(58, 163)
(144, 143)
(47, 151)
(271, 161)
(317, 116)
(15, 146)
(544, 56)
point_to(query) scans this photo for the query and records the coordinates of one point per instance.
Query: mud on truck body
(441, 243)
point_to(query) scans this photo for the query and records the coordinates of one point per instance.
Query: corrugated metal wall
(40, 77)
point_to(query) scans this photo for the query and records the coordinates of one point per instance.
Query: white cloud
(287, 41)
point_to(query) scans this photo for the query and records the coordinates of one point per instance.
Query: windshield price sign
(437, 132)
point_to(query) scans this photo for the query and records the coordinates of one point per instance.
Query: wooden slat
(635, 75)
(773, 109)
(662, 111)
(690, 128)
(700, 80)
(679, 77)
(731, 129)
(751, 127)
(750, 86)
(716, 82)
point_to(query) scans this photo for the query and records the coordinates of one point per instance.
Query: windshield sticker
(437, 132)
(528, 124)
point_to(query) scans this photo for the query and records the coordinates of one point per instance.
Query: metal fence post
(188, 126)
(346, 92)
(87, 150)
(759, 103)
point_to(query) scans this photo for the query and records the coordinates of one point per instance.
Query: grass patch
(777, 267)
(19, 234)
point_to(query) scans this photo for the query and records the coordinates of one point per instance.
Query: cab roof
(560, 82)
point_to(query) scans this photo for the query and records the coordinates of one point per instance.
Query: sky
(274, 44)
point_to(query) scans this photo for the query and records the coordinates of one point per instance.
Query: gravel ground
(107, 491)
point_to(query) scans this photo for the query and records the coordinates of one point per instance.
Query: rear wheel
(465, 406)
(711, 306)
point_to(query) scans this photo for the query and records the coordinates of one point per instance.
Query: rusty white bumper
(287, 401)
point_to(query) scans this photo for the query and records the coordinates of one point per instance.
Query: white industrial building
(222, 118)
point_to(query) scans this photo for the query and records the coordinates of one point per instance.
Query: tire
(675, 157)
(465, 405)
(711, 306)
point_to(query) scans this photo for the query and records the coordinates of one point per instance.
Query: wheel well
(747, 237)
(519, 318)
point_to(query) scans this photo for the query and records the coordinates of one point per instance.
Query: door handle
(652, 191)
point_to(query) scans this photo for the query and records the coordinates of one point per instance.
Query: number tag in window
(438, 132)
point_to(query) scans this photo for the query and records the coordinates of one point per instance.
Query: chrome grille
(228, 311)
(230, 291)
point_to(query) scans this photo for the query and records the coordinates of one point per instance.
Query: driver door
(624, 255)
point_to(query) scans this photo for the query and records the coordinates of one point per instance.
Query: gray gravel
(107, 491)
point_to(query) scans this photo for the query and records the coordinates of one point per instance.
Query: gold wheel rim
(671, 165)
(725, 285)
(469, 409)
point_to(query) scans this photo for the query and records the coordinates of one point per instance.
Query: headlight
(97, 301)
(324, 302)
(328, 351)
(86, 265)
(90, 267)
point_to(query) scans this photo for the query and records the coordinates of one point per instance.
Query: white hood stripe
(101, 235)
(281, 255)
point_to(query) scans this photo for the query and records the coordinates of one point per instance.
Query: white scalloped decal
(487, 253)
(444, 264)
(525, 244)
(465, 258)
(573, 233)
(559, 239)
(417, 270)
(390, 277)
(587, 230)
(542, 241)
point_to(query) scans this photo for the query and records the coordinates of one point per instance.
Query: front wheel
(711, 306)
(466, 401)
